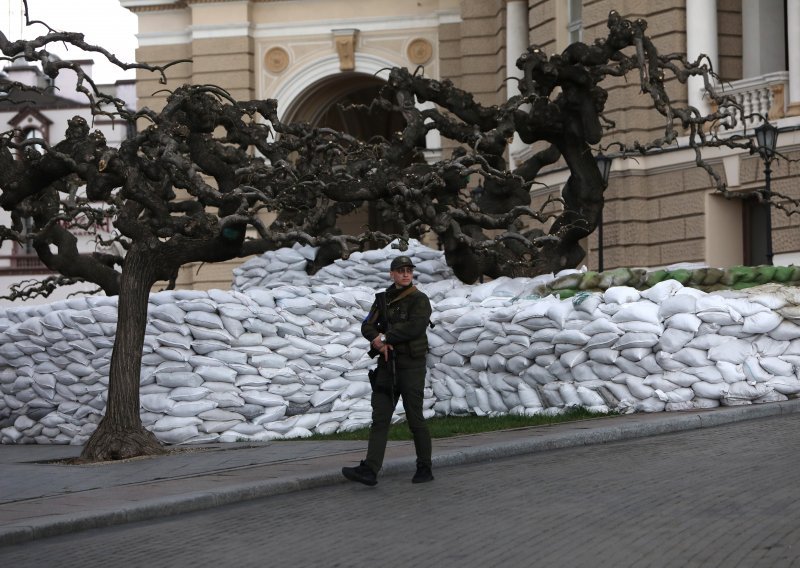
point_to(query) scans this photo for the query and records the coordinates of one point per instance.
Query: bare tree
(196, 183)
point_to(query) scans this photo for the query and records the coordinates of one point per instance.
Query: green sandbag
(564, 294)
(655, 277)
(743, 285)
(765, 273)
(795, 273)
(567, 281)
(783, 274)
(698, 276)
(713, 276)
(590, 281)
(740, 274)
(616, 277)
(682, 275)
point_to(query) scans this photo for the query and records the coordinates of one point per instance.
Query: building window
(574, 21)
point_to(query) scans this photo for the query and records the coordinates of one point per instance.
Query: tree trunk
(120, 434)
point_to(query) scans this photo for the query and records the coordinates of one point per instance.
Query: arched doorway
(325, 104)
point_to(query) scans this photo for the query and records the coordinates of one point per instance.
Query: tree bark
(120, 434)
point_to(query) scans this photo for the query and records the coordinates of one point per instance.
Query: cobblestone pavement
(726, 496)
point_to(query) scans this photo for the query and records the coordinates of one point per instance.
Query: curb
(148, 509)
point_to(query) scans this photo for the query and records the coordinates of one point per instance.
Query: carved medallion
(276, 59)
(419, 51)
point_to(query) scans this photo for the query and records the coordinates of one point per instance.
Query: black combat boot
(423, 475)
(361, 473)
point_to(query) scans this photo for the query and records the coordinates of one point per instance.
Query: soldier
(396, 329)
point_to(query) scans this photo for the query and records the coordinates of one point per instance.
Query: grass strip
(447, 426)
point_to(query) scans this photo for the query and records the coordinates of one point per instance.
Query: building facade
(660, 210)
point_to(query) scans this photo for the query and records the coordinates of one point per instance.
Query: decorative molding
(345, 44)
(419, 51)
(138, 6)
(276, 59)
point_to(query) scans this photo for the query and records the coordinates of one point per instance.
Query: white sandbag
(586, 302)
(621, 295)
(528, 396)
(785, 385)
(777, 366)
(178, 435)
(734, 351)
(559, 312)
(714, 391)
(680, 378)
(641, 311)
(167, 312)
(178, 379)
(730, 372)
(270, 414)
(216, 373)
(768, 347)
(517, 364)
(600, 327)
(707, 373)
(572, 358)
(743, 391)
(569, 394)
(269, 360)
(685, 322)
(190, 407)
(712, 308)
(263, 398)
(632, 340)
(681, 394)
(175, 340)
(692, 357)
(589, 397)
(637, 387)
(754, 372)
(201, 332)
(677, 304)
(786, 330)
(601, 340)
(571, 337)
(188, 393)
(156, 403)
(762, 322)
(651, 404)
(673, 340)
(661, 291)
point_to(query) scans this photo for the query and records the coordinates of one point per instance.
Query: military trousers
(410, 385)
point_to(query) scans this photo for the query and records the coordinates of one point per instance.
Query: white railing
(762, 95)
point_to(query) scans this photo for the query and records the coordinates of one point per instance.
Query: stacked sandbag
(369, 268)
(287, 359)
(695, 275)
(667, 348)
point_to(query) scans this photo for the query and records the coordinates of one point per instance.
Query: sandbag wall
(284, 360)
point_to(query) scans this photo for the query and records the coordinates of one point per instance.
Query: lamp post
(604, 165)
(767, 138)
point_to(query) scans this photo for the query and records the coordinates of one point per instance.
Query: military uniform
(402, 321)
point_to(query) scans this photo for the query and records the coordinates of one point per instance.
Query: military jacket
(408, 312)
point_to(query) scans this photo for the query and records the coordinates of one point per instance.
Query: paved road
(726, 496)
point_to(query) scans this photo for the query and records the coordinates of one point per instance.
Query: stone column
(701, 37)
(793, 35)
(516, 44)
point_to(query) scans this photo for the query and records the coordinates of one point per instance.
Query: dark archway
(326, 104)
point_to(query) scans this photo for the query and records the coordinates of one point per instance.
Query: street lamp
(767, 138)
(604, 165)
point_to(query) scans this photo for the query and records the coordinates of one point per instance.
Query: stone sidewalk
(41, 497)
